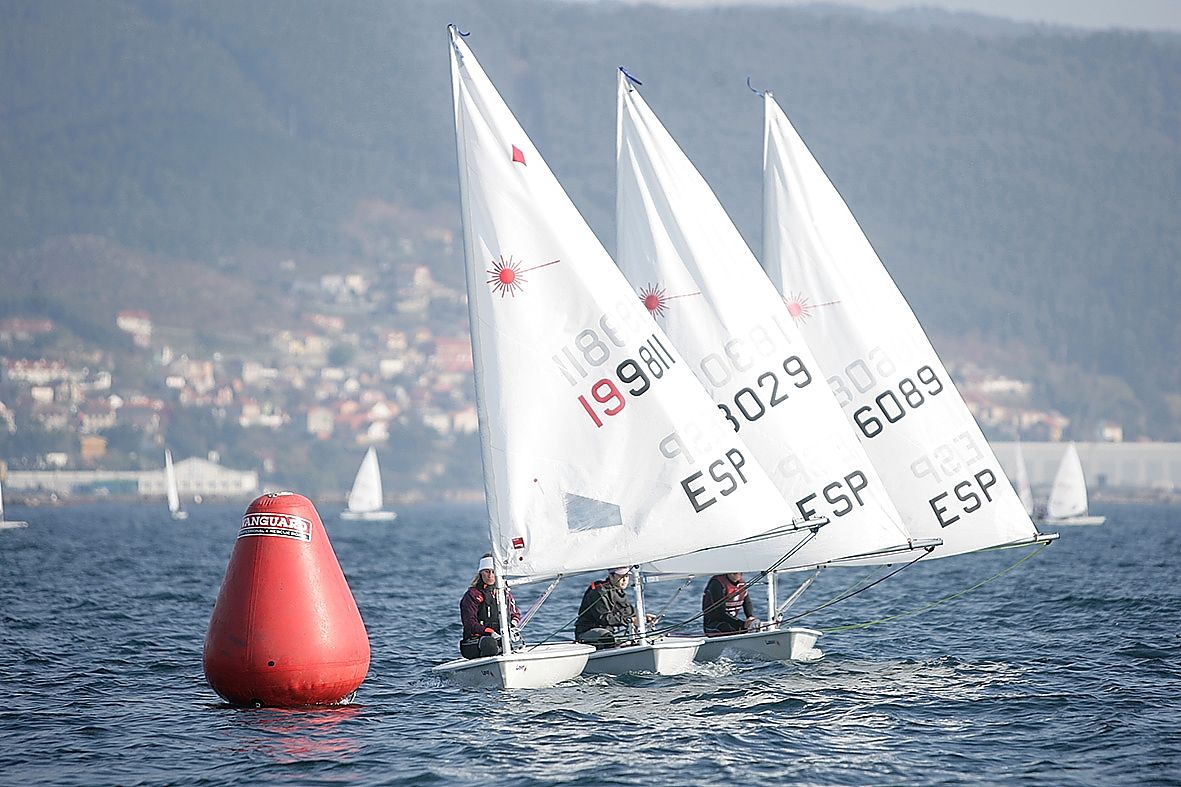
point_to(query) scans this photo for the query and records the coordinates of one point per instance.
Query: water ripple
(1067, 671)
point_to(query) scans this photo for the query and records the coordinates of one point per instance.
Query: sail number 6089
(891, 406)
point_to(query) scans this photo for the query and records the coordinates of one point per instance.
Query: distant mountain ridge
(1021, 188)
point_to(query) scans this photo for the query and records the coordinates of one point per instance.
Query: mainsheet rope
(933, 604)
(662, 630)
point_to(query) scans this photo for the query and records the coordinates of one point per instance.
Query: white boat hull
(12, 524)
(180, 515)
(369, 516)
(669, 656)
(789, 644)
(532, 668)
(1075, 520)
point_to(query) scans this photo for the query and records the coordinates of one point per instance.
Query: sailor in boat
(605, 616)
(726, 606)
(481, 615)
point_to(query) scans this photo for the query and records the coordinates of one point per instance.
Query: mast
(771, 600)
(506, 639)
(641, 618)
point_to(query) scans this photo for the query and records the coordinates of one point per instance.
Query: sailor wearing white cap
(480, 613)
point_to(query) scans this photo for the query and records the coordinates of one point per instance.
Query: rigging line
(933, 604)
(537, 604)
(659, 631)
(567, 624)
(664, 609)
(850, 594)
(776, 614)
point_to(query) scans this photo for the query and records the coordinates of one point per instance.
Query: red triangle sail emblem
(518, 156)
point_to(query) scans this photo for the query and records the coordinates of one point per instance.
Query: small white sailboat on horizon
(1067, 504)
(600, 449)
(173, 491)
(366, 499)
(9, 524)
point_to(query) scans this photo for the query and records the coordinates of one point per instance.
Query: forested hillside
(1022, 188)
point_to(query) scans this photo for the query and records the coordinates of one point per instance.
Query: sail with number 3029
(599, 446)
(938, 468)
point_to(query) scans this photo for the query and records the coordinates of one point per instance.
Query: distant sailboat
(366, 498)
(174, 508)
(1068, 497)
(8, 524)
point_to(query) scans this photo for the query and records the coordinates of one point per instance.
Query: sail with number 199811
(600, 448)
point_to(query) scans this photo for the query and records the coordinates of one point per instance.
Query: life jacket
(735, 593)
(488, 613)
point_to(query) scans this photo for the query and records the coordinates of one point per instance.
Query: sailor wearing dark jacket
(727, 606)
(605, 610)
(480, 613)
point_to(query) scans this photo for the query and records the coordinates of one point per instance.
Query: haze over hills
(1020, 183)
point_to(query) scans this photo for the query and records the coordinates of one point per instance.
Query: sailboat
(600, 449)
(937, 466)
(174, 508)
(1068, 496)
(691, 268)
(1021, 481)
(8, 524)
(366, 497)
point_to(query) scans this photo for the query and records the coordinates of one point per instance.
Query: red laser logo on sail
(655, 299)
(508, 277)
(799, 307)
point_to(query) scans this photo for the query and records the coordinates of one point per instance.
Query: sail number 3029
(637, 376)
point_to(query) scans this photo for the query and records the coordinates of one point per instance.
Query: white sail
(8, 524)
(1021, 481)
(698, 279)
(938, 468)
(1068, 495)
(366, 498)
(366, 494)
(600, 448)
(170, 483)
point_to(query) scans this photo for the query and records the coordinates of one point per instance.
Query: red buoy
(285, 631)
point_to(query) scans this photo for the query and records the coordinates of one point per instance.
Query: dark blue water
(1064, 671)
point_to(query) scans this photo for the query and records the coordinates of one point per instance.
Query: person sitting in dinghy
(480, 613)
(727, 606)
(605, 614)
